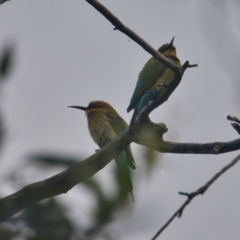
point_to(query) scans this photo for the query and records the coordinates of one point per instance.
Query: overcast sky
(68, 54)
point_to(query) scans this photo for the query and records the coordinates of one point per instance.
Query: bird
(154, 73)
(104, 124)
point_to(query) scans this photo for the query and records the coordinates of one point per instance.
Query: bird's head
(168, 48)
(95, 107)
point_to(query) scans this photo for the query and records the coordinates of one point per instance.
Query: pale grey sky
(68, 54)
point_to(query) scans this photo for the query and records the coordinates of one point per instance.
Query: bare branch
(196, 148)
(192, 195)
(233, 119)
(124, 29)
(64, 181)
(3, 1)
(149, 135)
(236, 127)
(235, 124)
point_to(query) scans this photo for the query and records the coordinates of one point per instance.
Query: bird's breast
(100, 129)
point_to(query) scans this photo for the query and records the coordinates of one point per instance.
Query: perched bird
(153, 74)
(104, 124)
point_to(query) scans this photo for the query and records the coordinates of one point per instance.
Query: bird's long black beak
(171, 43)
(79, 107)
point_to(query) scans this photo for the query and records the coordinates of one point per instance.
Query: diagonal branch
(192, 195)
(124, 29)
(62, 182)
(3, 1)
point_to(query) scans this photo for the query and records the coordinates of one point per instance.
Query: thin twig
(235, 124)
(236, 127)
(3, 1)
(234, 119)
(192, 195)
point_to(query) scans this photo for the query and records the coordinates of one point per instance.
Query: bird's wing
(116, 121)
(118, 125)
(150, 73)
(165, 78)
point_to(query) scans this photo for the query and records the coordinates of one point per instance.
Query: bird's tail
(123, 176)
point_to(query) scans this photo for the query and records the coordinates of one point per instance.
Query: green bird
(104, 124)
(153, 74)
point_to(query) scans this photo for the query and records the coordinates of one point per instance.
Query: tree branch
(234, 119)
(64, 181)
(149, 135)
(124, 29)
(235, 124)
(192, 195)
(3, 1)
